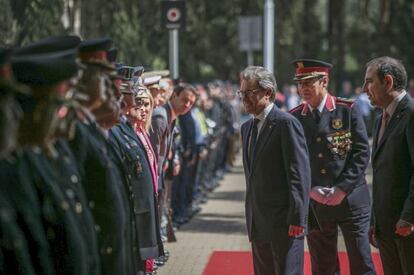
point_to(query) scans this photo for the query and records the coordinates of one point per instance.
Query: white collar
(321, 105)
(393, 105)
(262, 116)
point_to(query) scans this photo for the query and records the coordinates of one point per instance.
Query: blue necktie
(253, 138)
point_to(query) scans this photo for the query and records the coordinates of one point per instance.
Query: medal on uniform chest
(339, 143)
(337, 123)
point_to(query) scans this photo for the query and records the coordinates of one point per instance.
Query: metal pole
(173, 53)
(269, 32)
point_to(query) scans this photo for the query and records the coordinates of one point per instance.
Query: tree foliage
(347, 33)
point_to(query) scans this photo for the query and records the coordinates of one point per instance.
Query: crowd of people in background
(102, 160)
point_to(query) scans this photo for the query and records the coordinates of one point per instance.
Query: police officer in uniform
(140, 181)
(99, 166)
(64, 214)
(15, 255)
(339, 153)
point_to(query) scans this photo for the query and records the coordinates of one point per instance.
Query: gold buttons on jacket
(78, 208)
(320, 155)
(318, 139)
(70, 193)
(64, 205)
(74, 178)
(323, 171)
(108, 250)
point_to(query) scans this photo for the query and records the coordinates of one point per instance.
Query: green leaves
(347, 35)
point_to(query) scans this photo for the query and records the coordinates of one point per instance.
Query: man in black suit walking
(393, 164)
(277, 175)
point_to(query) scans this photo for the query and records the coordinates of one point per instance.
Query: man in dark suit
(163, 122)
(277, 175)
(393, 164)
(338, 152)
(161, 132)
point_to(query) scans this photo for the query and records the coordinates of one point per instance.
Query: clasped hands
(327, 195)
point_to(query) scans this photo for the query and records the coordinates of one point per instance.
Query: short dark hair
(386, 65)
(184, 86)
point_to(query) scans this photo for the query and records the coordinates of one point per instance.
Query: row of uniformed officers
(79, 175)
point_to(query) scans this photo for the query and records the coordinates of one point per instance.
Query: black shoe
(163, 258)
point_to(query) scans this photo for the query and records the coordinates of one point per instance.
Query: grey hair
(264, 78)
(386, 65)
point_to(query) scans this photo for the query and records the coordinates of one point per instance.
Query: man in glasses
(338, 153)
(276, 165)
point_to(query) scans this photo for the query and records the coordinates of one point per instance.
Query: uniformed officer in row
(100, 167)
(47, 164)
(339, 153)
(15, 251)
(125, 140)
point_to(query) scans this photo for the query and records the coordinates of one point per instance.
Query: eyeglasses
(247, 93)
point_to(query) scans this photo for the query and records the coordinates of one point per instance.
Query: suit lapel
(395, 119)
(264, 135)
(377, 126)
(246, 134)
(127, 130)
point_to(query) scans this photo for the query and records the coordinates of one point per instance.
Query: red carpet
(240, 263)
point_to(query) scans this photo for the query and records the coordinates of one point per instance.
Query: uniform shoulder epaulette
(297, 108)
(345, 101)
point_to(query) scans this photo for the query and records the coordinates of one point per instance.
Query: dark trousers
(282, 256)
(397, 255)
(323, 246)
(182, 189)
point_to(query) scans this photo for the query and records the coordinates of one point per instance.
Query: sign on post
(173, 14)
(250, 33)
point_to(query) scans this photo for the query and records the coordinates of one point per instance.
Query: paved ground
(219, 226)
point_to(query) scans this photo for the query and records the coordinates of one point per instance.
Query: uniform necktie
(384, 124)
(253, 137)
(316, 115)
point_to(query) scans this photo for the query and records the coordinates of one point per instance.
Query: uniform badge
(337, 123)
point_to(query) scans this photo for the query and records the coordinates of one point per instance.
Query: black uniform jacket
(338, 153)
(107, 196)
(143, 197)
